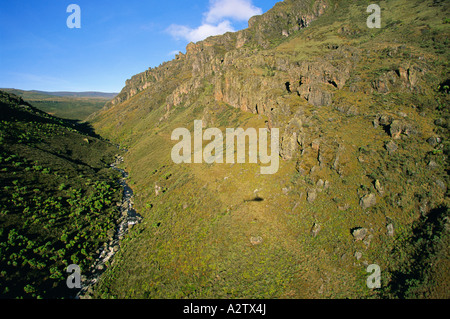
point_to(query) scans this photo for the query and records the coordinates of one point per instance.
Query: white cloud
(241, 10)
(200, 33)
(217, 19)
(173, 53)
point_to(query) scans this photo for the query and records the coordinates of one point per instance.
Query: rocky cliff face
(221, 54)
(247, 74)
(258, 70)
(243, 77)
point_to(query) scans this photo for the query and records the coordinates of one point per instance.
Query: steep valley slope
(58, 199)
(363, 119)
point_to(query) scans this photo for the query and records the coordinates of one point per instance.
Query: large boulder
(368, 201)
(391, 147)
(359, 233)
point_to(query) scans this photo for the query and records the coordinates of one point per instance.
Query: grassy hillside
(364, 177)
(57, 199)
(68, 105)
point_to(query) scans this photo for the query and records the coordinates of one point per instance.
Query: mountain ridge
(260, 29)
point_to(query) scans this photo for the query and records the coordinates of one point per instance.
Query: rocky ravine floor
(129, 217)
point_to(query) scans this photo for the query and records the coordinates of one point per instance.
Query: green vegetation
(57, 200)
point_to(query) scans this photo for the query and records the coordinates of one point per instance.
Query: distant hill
(69, 105)
(35, 93)
(79, 94)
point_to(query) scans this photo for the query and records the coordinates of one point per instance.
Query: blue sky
(117, 38)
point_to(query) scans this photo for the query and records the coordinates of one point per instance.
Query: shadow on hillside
(255, 199)
(84, 127)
